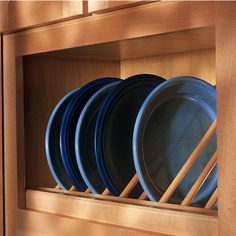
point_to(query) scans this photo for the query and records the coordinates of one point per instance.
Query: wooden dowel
(57, 187)
(195, 154)
(106, 192)
(143, 196)
(129, 186)
(200, 180)
(212, 201)
(72, 188)
(87, 190)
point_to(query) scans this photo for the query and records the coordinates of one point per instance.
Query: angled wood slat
(184, 170)
(130, 186)
(200, 180)
(210, 204)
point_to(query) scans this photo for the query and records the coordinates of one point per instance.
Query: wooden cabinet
(16, 15)
(41, 64)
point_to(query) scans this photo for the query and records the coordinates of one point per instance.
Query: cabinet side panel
(226, 108)
(1, 147)
(10, 133)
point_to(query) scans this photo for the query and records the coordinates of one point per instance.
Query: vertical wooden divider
(1, 146)
(226, 114)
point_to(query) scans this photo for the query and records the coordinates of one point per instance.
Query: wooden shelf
(149, 216)
(161, 44)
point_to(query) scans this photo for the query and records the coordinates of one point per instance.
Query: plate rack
(163, 201)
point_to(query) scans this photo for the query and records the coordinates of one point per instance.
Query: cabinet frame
(97, 29)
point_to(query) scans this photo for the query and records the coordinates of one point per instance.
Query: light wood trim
(146, 20)
(130, 186)
(143, 196)
(226, 115)
(72, 188)
(200, 180)
(137, 202)
(123, 215)
(37, 223)
(106, 192)
(187, 165)
(212, 201)
(58, 187)
(87, 190)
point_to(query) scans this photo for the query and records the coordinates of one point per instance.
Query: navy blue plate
(68, 127)
(114, 130)
(170, 124)
(84, 139)
(52, 140)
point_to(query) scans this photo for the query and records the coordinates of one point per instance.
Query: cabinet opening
(48, 76)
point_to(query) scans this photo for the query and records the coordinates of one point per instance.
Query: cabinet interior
(50, 75)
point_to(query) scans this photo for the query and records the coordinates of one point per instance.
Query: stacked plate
(100, 135)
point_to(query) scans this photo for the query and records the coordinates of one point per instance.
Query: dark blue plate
(84, 139)
(52, 141)
(68, 127)
(114, 130)
(170, 124)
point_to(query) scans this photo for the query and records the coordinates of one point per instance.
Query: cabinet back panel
(200, 64)
(46, 80)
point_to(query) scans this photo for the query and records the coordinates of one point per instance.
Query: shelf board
(174, 42)
(168, 219)
(136, 22)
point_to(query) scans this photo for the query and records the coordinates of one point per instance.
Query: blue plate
(84, 139)
(52, 140)
(114, 130)
(170, 124)
(68, 127)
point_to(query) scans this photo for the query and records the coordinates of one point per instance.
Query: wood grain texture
(36, 223)
(146, 20)
(174, 42)
(3, 15)
(226, 115)
(25, 14)
(123, 215)
(20, 131)
(46, 81)
(199, 181)
(102, 6)
(131, 201)
(10, 133)
(200, 64)
(1, 147)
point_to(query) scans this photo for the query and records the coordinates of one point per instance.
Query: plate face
(84, 139)
(114, 129)
(171, 122)
(52, 142)
(68, 127)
